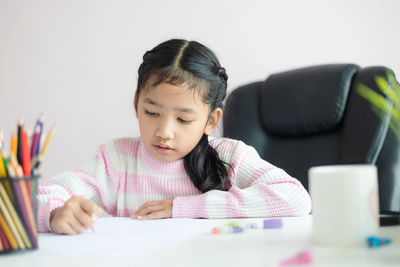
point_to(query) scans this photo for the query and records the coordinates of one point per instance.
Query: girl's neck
(175, 167)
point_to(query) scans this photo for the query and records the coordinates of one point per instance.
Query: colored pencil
(15, 218)
(39, 159)
(25, 207)
(3, 171)
(35, 142)
(1, 241)
(48, 141)
(19, 145)
(6, 182)
(7, 231)
(18, 186)
(14, 143)
(4, 241)
(12, 219)
(26, 153)
(40, 123)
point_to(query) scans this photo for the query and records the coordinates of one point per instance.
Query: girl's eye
(153, 114)
(184, 121)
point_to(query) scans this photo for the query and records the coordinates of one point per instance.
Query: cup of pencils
(19, 173)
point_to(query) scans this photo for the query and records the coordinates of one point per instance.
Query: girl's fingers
(162, 214)
(76, 226)
(147, 208)
(65, 228)
(83, 218)
(90, 207)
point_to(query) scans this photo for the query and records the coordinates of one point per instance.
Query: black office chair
(314, 116)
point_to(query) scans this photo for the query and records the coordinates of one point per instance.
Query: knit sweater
(123, 176)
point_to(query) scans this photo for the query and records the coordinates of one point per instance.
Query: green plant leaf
(387, 89)
(374, 98)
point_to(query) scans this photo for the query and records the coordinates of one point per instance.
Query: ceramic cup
(345, 204)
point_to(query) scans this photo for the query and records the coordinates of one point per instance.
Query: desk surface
(188, 242)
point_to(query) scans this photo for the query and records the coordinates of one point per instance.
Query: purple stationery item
(236, 229)
(273, 223)
(35, 141)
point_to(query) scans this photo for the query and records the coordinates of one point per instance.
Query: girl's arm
(259, 189)
(91, 180)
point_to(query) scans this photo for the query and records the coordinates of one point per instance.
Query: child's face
(172, 119)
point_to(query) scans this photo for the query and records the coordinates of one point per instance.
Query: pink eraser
(273, 223)
(303, 258)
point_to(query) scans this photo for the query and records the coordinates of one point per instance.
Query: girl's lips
(163, 149)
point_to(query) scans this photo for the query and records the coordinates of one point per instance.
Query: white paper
(124, 236)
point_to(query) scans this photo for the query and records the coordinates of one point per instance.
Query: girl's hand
(77, 215)
(154, 210)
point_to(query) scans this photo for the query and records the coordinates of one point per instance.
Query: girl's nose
(165, 130)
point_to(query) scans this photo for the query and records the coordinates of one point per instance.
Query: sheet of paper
(124, 236)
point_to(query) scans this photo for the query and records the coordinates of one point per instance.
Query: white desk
(186, 242)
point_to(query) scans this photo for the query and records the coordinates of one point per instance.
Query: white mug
(345, 204)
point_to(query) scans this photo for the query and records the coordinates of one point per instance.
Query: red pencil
(26, 154)
(3, 240)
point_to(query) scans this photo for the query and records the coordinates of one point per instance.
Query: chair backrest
(314, 116)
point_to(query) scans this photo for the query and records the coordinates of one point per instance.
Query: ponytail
(204, 167)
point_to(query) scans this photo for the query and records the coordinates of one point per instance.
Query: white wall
(76, 60)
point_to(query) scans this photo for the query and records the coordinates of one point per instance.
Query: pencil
(25, 207)
(1, 241)
(26, 153)
(12, 219)
(14, 143)
(7, 231)
(38, 160)
(6, 182)
(14, 215)
(6, 244)
(48, 141)
(39, 122)
(19, 143)
(3, 171)
(35, 142)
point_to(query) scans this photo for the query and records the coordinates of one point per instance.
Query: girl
(174, 169)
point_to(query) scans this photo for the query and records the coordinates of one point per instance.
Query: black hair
(189, 63)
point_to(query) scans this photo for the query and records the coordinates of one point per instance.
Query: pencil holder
(18, 231)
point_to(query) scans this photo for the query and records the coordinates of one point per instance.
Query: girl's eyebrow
(184, 110)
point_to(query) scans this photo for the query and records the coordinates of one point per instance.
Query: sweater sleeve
(259, 189)
(91, 180)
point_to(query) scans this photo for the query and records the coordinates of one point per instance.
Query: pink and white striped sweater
(123, 176)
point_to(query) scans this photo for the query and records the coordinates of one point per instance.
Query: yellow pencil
(48, 140)
(10, 237)
(3, 172)
(37, 161)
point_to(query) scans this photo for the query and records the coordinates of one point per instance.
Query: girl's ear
(213, 121)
